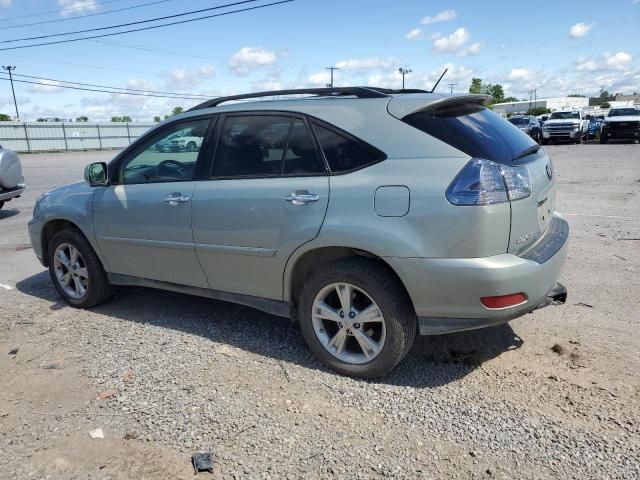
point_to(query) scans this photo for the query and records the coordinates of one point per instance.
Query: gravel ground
(555, 394)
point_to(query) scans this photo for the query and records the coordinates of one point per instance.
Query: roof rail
(360, 92)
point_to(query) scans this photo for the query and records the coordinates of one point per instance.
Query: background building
(556, 103)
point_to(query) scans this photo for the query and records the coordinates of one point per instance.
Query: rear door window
(300, 157)
(344, 153)
(474, 130)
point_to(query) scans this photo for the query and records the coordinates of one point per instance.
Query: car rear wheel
(191, 147)
(76, 270)
(356, 318)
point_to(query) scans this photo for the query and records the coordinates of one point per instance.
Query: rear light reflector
(504, 301)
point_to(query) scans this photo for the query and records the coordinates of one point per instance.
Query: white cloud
(5, 3)
(320, 79)
(186, 78)
(46, 86)
(471, 50)
(453, 42)
(248, 58)
(434, 36)
(73, 7)
(414, 34)
(367, 63)
(459, 75)
(579, 30)
(272, 82)
(443, 16)
(585, 65)
(519, 74)
(620, 60)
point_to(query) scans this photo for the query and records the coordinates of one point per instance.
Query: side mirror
(95, 174)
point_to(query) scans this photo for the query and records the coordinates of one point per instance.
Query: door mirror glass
(95, 174)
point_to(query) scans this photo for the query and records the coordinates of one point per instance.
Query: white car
(11, 180)
(567, 125)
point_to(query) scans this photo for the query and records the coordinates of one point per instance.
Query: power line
(139, 22)
(105, 91)
(150, 27)
(79, 17)
(114, 88)
(81, 7)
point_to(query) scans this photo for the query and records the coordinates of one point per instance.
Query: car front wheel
(356, 318)
(76, 270)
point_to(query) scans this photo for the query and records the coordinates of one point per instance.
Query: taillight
(483, 182)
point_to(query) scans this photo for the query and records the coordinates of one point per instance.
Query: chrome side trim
(236, 250)
(273, 307)
(9, 194)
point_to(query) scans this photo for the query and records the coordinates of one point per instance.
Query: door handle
(301, 197)
(176, 198)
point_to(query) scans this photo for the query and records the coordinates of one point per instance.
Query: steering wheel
(172, 166)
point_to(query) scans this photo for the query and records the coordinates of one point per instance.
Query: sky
(557, 47)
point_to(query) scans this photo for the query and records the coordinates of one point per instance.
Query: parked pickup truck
(11, 179)
(568, 125)
(621, 123)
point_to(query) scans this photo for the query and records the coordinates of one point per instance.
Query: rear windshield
(519, 121)
(476, 131)
(620, 112)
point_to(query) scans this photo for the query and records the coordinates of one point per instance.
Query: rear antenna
(434, 87)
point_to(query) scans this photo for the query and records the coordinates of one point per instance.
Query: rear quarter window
(344, 153)
(474, 130)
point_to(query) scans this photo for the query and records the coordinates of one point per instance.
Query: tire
(191, 147)
(97, 287)
(603, 139)
(578, 140)
(544, 142)
(393, 303)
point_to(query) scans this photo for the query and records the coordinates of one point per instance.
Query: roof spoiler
(401, 108)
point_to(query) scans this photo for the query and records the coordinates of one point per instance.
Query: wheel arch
(300, 268)
(53, 226)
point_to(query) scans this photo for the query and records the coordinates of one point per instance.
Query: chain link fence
(31, 137)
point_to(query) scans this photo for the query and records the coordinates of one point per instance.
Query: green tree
(575, 95)
(497, 92)
(4, 117)
(476, 85)
(177, 111)
(124, 118)
(510, 100)
(605, 105)
(604, 94)
(157, 119)
(538, 111)
(82, 119)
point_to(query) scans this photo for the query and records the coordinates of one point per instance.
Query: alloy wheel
(71, 270)
(348, 323)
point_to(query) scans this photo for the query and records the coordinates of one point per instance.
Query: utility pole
(330, 85)
(451, 85)
(8, 69)
(403, 72)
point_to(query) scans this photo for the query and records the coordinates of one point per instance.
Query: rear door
(267, 194)
(142, 221)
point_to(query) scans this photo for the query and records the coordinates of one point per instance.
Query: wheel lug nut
(349, 331)
(352, 315)
(356, 325)
(341, 314)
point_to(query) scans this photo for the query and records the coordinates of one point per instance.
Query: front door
(267, 194)
(143, 220)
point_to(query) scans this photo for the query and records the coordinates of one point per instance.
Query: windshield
(564, 115)
(476, 131)
(519, 121)
(619, 112)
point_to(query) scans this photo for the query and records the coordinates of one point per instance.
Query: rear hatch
(466, 124)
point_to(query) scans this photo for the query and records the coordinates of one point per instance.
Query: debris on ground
(581, 304)
(97, 433)
(557, 348)
(130, 436)
(202, 462)
(13, 351)
(107, 394)
(128, 375)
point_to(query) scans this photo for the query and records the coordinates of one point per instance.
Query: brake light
(504, 301)
(483, 182)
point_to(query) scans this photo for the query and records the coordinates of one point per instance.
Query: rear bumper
(11, 193)
(446, 292)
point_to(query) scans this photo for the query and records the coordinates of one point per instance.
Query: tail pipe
(556, 296)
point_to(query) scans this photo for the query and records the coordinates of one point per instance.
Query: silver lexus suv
(366, 215)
